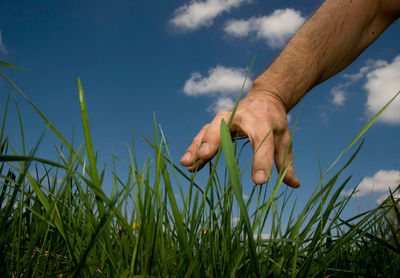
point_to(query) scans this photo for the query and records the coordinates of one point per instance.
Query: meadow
(57, 221)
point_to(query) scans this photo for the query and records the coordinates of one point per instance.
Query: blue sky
(184, 60)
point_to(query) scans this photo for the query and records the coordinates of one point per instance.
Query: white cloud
(245, 197)
(198, 14)
(220, 80)
(223, 84)
(339, 92)
(235, 219)
(3, 48)
(240, 28)
(338, 96)
(382, 84)
(369, 66)
(382, 181)
(222, 104)
(275, 28)
(396, 196)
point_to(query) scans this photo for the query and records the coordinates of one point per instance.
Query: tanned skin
(336, 34)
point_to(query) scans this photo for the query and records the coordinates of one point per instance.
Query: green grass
(57, 220)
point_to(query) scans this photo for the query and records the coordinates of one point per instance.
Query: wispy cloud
(396, 196)
(381, 182)
(340, 91)
(369, 66)
(3, 48)
(275, 28)
(220, 80)
(382, 84)
(199, 14)
(221, 104)
(338, 96)
(223, 84)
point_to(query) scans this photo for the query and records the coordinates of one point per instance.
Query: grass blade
(234, 177)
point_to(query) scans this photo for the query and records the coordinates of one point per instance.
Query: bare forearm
(327, 43)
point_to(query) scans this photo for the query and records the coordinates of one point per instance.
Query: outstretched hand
(256, 115)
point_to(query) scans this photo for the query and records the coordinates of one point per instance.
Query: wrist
(260, 89)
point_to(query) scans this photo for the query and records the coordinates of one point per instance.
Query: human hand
(256, 115)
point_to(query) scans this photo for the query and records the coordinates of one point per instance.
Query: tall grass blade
(226, 144)
(89, 146)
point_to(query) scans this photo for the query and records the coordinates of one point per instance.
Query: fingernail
(204, 149)
(296, 182)
(260, 177)
(186, 157)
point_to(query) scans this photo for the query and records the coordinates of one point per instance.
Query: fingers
(282, 140)
(205, 145)
(269, 148)
(263, 148)
(212, 138)
(190, 158)
(268, 145)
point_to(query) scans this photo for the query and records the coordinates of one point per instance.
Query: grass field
(57, 220)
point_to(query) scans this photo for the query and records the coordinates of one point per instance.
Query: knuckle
(196, 140)
(223, 115)
(205, 127)
(281, 127)
(263, 137)
(201, 133)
